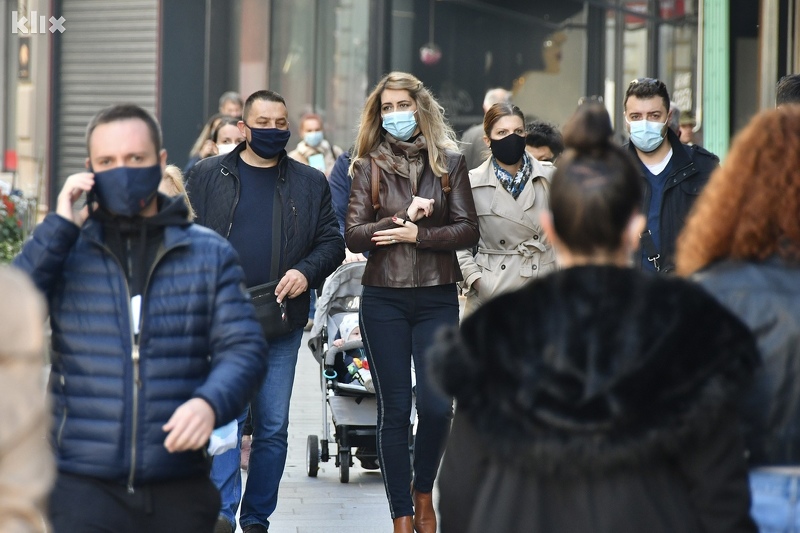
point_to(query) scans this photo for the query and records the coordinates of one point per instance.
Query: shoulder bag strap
(446, 179)
(376, 184)
(277, 230)
(646, 238)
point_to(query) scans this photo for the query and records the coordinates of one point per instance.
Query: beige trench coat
(512, 249)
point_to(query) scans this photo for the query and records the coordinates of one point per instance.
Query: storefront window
(639, 31)
(318, 61)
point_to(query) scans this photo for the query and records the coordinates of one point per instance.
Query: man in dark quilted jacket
(154, 343)
(277, 214)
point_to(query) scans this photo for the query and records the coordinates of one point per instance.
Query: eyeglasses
(646, 81)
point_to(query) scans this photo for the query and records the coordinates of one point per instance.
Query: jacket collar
(177, 235)
(681, 161)
(483, 176)
(502, 204)
(230, 161)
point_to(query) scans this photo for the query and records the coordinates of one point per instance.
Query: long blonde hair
(430, 118)
(172, 185)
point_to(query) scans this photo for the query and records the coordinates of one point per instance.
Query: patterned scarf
(406, 159)
(514, 184)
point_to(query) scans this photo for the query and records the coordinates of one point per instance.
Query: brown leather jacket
(452, 226)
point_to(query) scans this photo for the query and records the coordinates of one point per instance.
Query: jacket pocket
(692, 187)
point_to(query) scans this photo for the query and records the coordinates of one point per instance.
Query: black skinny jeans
(396, 325)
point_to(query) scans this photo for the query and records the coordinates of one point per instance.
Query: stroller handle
(330, 355)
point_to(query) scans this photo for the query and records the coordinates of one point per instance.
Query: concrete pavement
(323, 504)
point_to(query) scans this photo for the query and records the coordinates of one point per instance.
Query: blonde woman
(172, 185)
(411, 208)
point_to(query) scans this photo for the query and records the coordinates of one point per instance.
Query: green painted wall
(716, 76)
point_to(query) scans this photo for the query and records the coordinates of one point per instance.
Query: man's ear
(162, 159)
(88, 164)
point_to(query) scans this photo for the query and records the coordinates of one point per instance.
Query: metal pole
(768, 53)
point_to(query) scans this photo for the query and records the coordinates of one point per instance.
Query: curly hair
(749, 209)
(434, 127)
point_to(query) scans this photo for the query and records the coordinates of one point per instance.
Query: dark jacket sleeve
(327, 252)
(238, 348)
(339, 181)
(716, 471)
(44, 254)
(462, 230)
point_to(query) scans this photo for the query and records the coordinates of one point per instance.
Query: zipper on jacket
(235, 200)
(137, 383)
(63, 423)
(134, 352)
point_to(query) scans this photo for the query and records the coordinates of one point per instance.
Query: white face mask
(225, 148)
(647, 135)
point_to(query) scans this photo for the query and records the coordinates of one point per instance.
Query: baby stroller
(353, 408)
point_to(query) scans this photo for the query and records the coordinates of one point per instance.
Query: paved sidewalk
(323, 504)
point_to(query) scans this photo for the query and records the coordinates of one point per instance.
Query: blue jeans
(227, 477)
(776, 502)
(270, 410)
(396, 325)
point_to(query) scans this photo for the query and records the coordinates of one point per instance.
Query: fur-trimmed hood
(595, 367)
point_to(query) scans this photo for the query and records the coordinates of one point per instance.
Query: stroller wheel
(344, 466)
(312, 456)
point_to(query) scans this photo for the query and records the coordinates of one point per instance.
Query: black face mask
(126, 191)
(509, 149)
(268, 142)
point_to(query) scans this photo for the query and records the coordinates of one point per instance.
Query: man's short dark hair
(119, 112)
(788, 90)
(644, 88)
(540, 133)
(264, 94)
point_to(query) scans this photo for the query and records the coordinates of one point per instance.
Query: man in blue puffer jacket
(154, 342)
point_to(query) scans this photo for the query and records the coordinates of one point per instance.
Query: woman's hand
(420, 207)
(406, 232)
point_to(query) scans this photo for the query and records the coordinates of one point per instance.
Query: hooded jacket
(596, 399)
(198, 339)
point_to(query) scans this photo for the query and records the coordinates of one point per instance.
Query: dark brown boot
(403, 524)
(424, 514)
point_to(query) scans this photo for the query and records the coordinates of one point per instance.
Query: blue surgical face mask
(313, 138)
(126, 191)
(647, 135)
(400, 124)
(267, 143)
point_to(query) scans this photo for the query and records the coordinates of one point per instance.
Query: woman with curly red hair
(742, 243)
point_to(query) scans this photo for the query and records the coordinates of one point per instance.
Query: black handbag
(270, 314)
